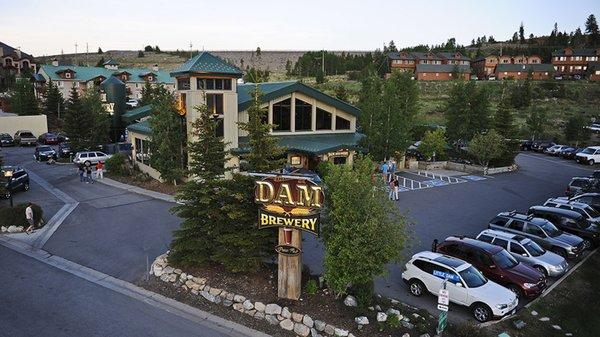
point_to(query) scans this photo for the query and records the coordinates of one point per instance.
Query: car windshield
(45, 148)
(592, 212)
(504, 260)
(473, 277)
(588, 150)
(550, 229)
(26, 134)
(533, 248)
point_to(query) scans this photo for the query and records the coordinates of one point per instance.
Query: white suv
(90, 157)
(590, 155)
(466, 286)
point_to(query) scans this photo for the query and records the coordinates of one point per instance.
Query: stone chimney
(18, 52)
(155, 67)
(55, 62)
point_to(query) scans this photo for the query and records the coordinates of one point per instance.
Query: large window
(142, 151)
(323, 119)
(282, 112)
(214, 102)
(183, 84)
(303, 116)
(214, 83)
(341, 123)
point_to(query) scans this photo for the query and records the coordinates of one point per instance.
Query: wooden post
(289, 273)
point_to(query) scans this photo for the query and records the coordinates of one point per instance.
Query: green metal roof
(88, 73)
(512, 67)
(142, 127)
(315, 144)
(137, 113)
(207, 63)
(442, 68)
(111, 63)
(273, 90)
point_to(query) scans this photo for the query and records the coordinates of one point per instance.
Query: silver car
(527, 251)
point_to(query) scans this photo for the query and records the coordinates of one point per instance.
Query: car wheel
(542, 270)
(587, 244)
(560, 252)
(515, 289)
(7, 195)
(481, 312)
(417, 288)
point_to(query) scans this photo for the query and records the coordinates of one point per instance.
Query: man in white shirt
(29, 217)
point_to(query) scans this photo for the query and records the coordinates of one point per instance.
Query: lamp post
(8, 174)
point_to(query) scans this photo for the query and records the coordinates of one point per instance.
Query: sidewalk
(135, 189)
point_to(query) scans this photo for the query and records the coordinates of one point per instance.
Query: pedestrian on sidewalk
(391, 189)
(81, 173)
(88, 174)
(384, 171)
(100, 170)
(396, 185)
(29, 218)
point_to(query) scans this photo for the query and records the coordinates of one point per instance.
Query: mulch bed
(151, 184)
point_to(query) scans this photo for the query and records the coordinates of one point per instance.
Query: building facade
(442, 72)
(539, 71)
(309, 124)
(572, 62)
(410, 61)
(13, 62)
(485, 67)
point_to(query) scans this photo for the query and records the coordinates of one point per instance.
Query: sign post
(443, 302)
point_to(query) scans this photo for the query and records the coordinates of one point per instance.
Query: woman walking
(100, 170)
(88, 173)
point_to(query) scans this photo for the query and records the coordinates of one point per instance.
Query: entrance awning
(314, 144)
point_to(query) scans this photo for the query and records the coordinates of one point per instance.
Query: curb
(135, 189)
(132, 291)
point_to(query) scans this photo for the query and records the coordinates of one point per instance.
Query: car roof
(556, 210)
(568, 202)
(588, 194)
(594, 147)
(514, 215)
(503, 235)
(488, 247)
(446, 260)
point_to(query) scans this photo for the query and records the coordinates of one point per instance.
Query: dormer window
(67, 75)
(151, 78)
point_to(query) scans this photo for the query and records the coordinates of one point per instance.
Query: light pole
(8, 174)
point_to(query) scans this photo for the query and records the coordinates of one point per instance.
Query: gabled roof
(12, 52)
(536, 67)
(442, 68)
(207, 63)
(452, 56)
(314, 144)
(137, 113)
(38, 78)
(85, 74)
(401, 56)
(142, 127)
(273, 90)
(111, 63)
(577, 52)
(426, 56)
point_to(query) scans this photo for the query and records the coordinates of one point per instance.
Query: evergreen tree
(576, 130)
(2, 178)
(591, 28)
(156, 49)
(515, 37)
(100, 51)
(288, 68)
(254, 75)
(521, 34)
(370, 103)
(467, 111)
(100, 62)
(147, 94)
(140, 54)
(392, 46)
(265, 153)
(320, 77)
(99, 127)
(168, 137)
(77, 123)
(578, 39)
(504, 120)
(54, 104)
(491, 39)
(341, 93)
(536, 122)
(148, 48)
(522, 93)
(23, 101)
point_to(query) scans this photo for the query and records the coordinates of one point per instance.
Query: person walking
(88, 173)
(392, 169)
(396, 185)
(391, 188)
(29, 218)
(81, 173)
(100, 170)
(384, 171)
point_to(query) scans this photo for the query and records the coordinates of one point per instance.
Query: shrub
(466, 329)
(311, 287)
(15, 216)
(434, 143)
(364, 294)
(393, 322)
(116, 164)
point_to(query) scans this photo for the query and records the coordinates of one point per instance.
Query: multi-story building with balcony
(13, 62)
(572, 62)
(438, 65)
(484, 67)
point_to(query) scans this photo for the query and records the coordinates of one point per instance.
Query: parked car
(25, 137)
(592, 199)
(571, 152)
(541, 145)
(64, 149)
(48, 138)
(18, 182)
(595, 127)
(6, 140)
(571, 222)
(44, 152)
(496, 264)
(426, 272)
(526, 145)
(542, 231)
(132, 103)
(590, 155)
(88, 158)
(584, 209)
(579, 185)
(527, 251)
(62, 137)
(555, 150)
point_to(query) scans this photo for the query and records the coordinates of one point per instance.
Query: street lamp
(8, 174)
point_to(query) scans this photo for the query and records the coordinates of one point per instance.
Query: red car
(496, 264)
(48, 138)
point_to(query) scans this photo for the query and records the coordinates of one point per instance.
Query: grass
(574, 305)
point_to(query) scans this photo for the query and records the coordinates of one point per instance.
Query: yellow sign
(181, 108)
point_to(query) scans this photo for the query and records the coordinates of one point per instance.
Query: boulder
(259, 306)
(259, 315)
(183, 277)
(158, 271)
(362, 320)
(394, 302)
(297, 317)
(208, 296)
(381, 317)
(378, 307)
(319, 325)
(287, 324)
(308, 321)
(178, 271)
(341, 332)
(239, 298)
(238, 306)
(173, 278)
(406, 335)
(272, 319)
(314, 333)
(407, 325)
(199, 280)
(248, 305)
(272, 309)
(285, 312)
(250, 312)
(227, 302)
(425, 335)
(350, 301)
(329, 329)
(3, 229)
(230, 296)
(392, 311)
(169, 270)
(215, 291)
(301, 329)
(14, 229)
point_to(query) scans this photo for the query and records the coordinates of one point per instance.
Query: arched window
(282, 112)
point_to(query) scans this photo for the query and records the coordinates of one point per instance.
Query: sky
(42, 27)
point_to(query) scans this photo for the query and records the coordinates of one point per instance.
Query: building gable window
(183, 84)
(303, 115)
(214, 83)
(214, 102)
(282, 115)
(323, 119)
(67, 74)
(341, 123)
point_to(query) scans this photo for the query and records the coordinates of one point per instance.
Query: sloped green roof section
(314, 144)
(111, 63)
(207, 63)
(141, 127)
(273, 90)
(88, 73)
(137, 113)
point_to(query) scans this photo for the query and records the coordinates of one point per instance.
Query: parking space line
(557, 162)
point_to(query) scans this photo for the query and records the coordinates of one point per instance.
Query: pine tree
(370, 121)
(341, 93)
(98, 117)
(100, 62)
(77, 123)
(23, 101)
(576, 130)
(54, 104)
(591, 28)
(467, 111)
(521, 34)
(265, 153)
(100, 50)
(147, 94)
(504, 120)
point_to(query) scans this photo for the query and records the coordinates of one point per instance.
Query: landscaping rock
(229, 296)
(158, 271)
(183, 276)
(377, 307)
(314, 333)
(297, 317)
(273, 309)
(259, 306)
(178, 271)
(362, 320)
(285, 312)
(350, 301)
(272, 319)
(3, 229)
(406, 335)
(259, 315)
(14, 229)
(301, 329)
(394, 302)
(227, 302)
(250, 312)
(239, 298)
(199, 280)
(392, 311)
(239, 307)
(208, 296)
(568, 334)
(544, 319)
(287, 324)
(319, 325)
(425, 335)
(215, 291)
(248, 305)
(407, 325)
(329, 329)
(519, 324)
(308, 321)
(381, 317)
(340, 332)
(557, 327)
(169, 270)
(534, 313)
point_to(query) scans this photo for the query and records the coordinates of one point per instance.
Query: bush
(434, 143)
(364, 294)
(117, 164)
(311, 287)
(15, 216)
(466, 330)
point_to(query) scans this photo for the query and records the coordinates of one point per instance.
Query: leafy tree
(140, 54)
(100, 51)
(370, 121)
(521, 34)
(23, 101)
(576, 130)
(504, 120)
(254, 75)
(434, 144)
(156, 49)
(100, 62)
(265, 153)
(486, 147)
(148, 48)
(591, 28)
(363, 231)
(168, 137)
(467, 111)
(288, 68)
(341, 93)
(54, 103)
(536, 122)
